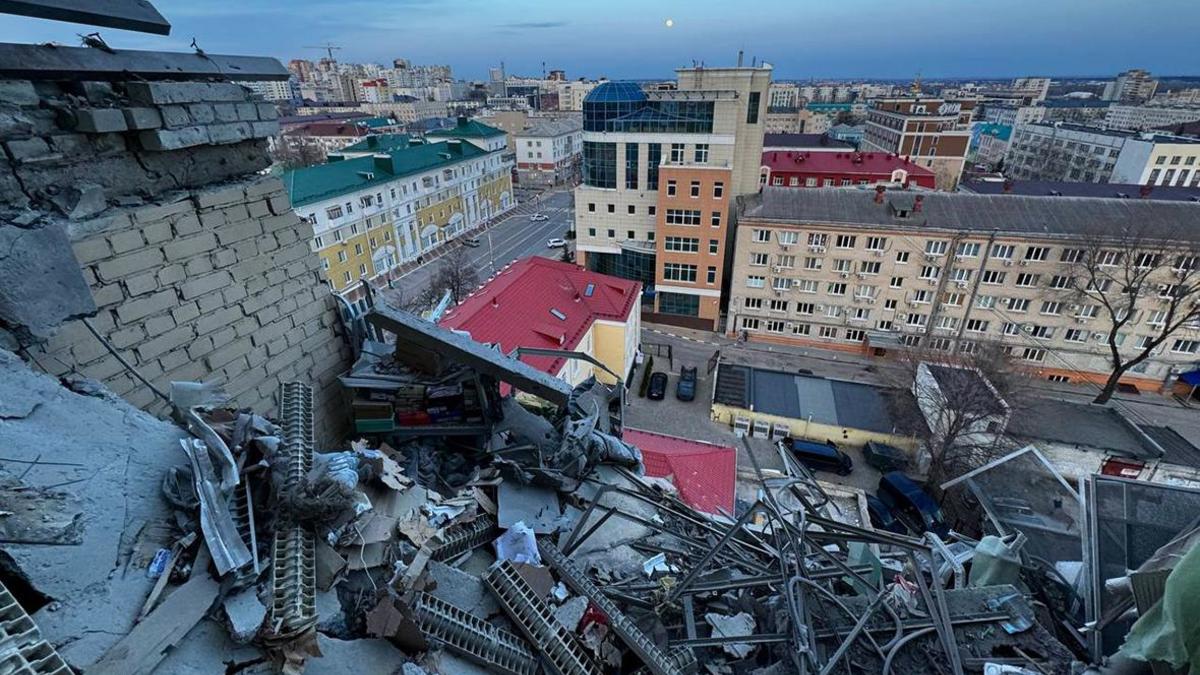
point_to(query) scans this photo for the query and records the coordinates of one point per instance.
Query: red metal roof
(703, 473)
(518, 307)
(849, 163)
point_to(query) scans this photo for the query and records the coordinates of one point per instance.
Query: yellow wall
(440, 212)
(813, 431)
(491, 192)
(337, 270)
(609, 348)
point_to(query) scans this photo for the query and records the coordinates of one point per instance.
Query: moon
(670, 22)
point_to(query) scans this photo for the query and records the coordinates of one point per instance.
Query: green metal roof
(377, 143)
(467, 129)
(324, 181)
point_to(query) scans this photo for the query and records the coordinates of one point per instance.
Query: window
(346, 276)
(842, 266)
(1026, 279)
(801, 329)
(889, 304)
(860, 314)
(865, 292)
(855, 335)
(985, 301)
(781, 283)
(679, 303)
(752, 107)
(630, 234)
(785, 260)
(977, 325)
(718, 190)
(701, 154)
(679, 272)
(650, 236)
(930, 272)
(1185, 346)
(754, 281)
(775, 326)
(1051, 308)
(806, 308)
(341, 256)
(818, 240)
(612, 234)
(876, 243)
(869, 267)
(836, 288)
(362, 270)
(1045, 332)
(917, 320)
(759, 259)
(1003, 251)
(358, 249)
(612, 208)
(788, 238)
(1147, 260)
(670, 188)
(777, 180)
(591, 207)
(967, 250)
(676, 153)
(935, 247)
(1072, 255)
(921, 297)
(829, 332)
(325, 264)
(749, 323)
(897, 282)
(631, 166)
(695, 189)
(1036, 253)
(807, 286)
(902, 257)
(993, 277)
(1011, 329)
(953, 299)
(1033, 354)
(652, 209)
(333, 212)
(762, 236)
(682, 244)
(1109, 258)
(710, 276)
(947, 323)
(812, 263)
(653, 159)
(1088, 311)
(1157, 318)
(632, 209)
(682, 217)
(591, 231)
(318, 242)
(1075, 335)
(712, 246)
(961, 276)
(1018, 304)
(844, 241)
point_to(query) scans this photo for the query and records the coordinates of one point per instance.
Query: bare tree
(960, 404)
(457, 274)
(296, 156)
(417, 302)
(1125, 279)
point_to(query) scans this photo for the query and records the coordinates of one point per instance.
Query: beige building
(571, 94)
(865, 271)
(933, 132)
(796, 121)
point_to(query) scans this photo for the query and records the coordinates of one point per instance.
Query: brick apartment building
(800, 168)
(933, 132)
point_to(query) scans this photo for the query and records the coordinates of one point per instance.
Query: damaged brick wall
(198, 267)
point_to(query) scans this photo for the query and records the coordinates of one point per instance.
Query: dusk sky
(629, 38)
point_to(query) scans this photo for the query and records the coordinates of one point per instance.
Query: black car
(658, 387)
(820, 456)
(882, 517)
(685, 388)
(885, 457)
(912, 505)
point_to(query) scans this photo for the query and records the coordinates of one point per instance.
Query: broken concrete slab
(366, 655)
(571, 612)
(41, 285)
(38, 516)
(738, 625)
(538, 507)
(462, 590)
(245, 613)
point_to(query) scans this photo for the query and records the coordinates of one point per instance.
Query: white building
(1069, 152)
(1132, 86)
(1141, 117)
(548, 152)
(270, 90)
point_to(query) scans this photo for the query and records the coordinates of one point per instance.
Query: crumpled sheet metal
(186, 397)
(228, 550)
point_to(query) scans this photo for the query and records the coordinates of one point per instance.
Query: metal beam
(137, 15)
(475, 355)
(39, 62)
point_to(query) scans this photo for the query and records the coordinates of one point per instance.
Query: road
(512, 238)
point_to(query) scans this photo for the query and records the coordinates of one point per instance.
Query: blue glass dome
(615, 91)
(610, 101)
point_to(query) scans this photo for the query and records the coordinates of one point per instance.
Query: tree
(457, 274)
(1124, 278)
(296, 156)
(418, 302)
(959, 405)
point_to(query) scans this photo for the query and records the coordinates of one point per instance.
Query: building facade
(1067, 152)
(375, 212)
(863, 271)
(1142, 117)
(796, 121)
(669, 159)
(1132, 86)
(933, 132)
(800, 168)
(989, 142)
(549, 151)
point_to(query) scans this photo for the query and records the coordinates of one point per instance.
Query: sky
(802, 39)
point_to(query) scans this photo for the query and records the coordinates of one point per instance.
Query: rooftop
(704, 473)
(825, 401)
(538, 302)
(959, 211)
(804, 141)
(1156, 137)
(1082, 425)
(1050, 188)
(551, 126)
(1000, 131)
(867, 163)
(346, 128)
(348, 175)
(467, 129)
(616, 91)
(378, 143)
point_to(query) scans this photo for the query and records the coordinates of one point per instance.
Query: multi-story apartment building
(796, 121)
(571, 94)
(373, 212)
(803, 168)
(272, 90)
(548, 152)
(1132, 86)
(1013, 115)
(1087, 111)
(660, 169)
(863, 271)
(1141, 117)
(1036, 88)
(989, 142)
(482, 136)
(1071, 152)
(933, 132)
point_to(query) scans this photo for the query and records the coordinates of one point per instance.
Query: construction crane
(328, 47)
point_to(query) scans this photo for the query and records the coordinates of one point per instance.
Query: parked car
(556, 243)
(685, 388)
(882, 517)
(911, 504)
(658, 387)
(820, 456)
(538, 217)
(472, 242)
(885, 457)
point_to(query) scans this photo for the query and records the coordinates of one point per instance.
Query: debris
(537, 507)
(392, 620)
(246, 614)
(164, 574)
(39, 515)
(571, 613)
(518, 545)
(738, 625)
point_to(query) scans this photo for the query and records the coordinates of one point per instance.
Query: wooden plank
(137, 15)
(139, 652)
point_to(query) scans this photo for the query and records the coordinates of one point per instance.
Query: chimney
(1145, 191)
(918, 203)
(1008, 186)
(495, 302)
(879, 190)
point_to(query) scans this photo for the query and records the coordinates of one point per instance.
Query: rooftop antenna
(740, 54)
(328, 47)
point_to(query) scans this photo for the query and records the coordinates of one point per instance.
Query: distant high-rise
(1036, 88)
(1131, 86)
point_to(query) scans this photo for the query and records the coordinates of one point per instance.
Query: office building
(373, 212)
(933, 132)
(1069, 152)
(1142, 117)
(870, 271)
(660, 169)
(796, 121)
(571, 94)
(1131, 86)
(549, 151)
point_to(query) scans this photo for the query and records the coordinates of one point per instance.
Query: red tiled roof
(703, 473)
(873, 163)
(516, 308)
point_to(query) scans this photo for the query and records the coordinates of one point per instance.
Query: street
(514, 237)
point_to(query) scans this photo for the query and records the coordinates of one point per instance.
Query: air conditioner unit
(877, 254)
(959, 258)
(1008, 263)
(844, 275)
(777, 269)
(930, 257)
(785, 247)
(1081, 319)
(819, 308)
(961, 284)
(901, 318)
(894, 328)
(1006, 301)
(932, 282)
(1023, 263)
(870, 301)
(1099, 336)
(1027, 328)
(861, 275)
(913, 303)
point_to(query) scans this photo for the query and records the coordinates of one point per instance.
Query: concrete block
(109, 144)
(235, 232)
(232, 132)
(205, 284)
(225, 112)
(264, 129)
(234, 294)
(172, 360)
(173, 139)
(198, 266)
(96, 93)
(280, 205)
(224, 258)
(92, 249)
(129, 264)
(223, 337)
(127, 337)
(134, 310)
(264, 187)
(152, 214)
(100, 120)
(157, 233)
(80, 201)
(170, 275)
(246, 112)
(72, 145)
(15, 125)
(189, 247)
(160, 93)
(199, 347)
(169, 341)
(28, 149)
(202, 113)
(219, 196)
(186, 313)
(174, 116)
(267, 111)
(107, 295)
(18, 92)
(189, 224)
(40, 282)
(139, 119)
(210, 303)
(141, 284)
(213, 321)
(159, 324)
(126, 241)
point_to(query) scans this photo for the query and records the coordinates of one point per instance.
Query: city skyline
(855, 39)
